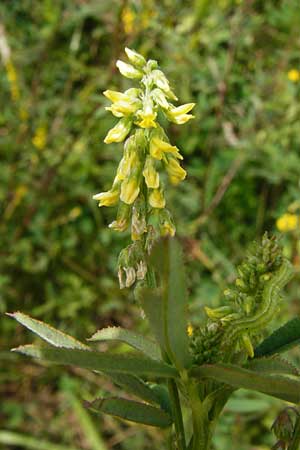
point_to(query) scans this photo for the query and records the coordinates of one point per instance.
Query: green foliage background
(242, 154)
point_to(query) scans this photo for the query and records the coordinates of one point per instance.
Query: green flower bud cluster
(262, 260)
(138, 187)
(204, 344)
(233, 325)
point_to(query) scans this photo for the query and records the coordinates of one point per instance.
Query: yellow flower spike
(288, 222)
(156, 199)
(128, 71)
(109, 198)
(135, 58)
(181, 110)
(119, 132)
(294, 75)
(150, 174)
(158, 147)
(130, 189)
(175, 171)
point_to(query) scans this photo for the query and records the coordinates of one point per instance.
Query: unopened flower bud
(156, 199)
(128, 71)
(217, 313)
(135, 58)
(119, 132)
(248, 345)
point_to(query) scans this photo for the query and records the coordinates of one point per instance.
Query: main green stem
(201, 433)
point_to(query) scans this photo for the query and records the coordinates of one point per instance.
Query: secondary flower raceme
(140, 181)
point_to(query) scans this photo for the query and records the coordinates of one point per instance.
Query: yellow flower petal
(156, 199)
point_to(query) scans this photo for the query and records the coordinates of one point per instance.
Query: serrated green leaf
(166, 307)
(135, 340)
(100, 361)
(132, 411)
(48, 333)
(282, 339)
(276, 386)
(272, 365)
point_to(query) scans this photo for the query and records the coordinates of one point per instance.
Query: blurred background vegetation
(239, 61)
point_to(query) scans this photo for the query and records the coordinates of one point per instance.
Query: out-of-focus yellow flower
(119, 132)
(190, 330)
(294, 75)
(148, 120)
(13, 80)
(40, 138)
(175, 171)
(23, 114)
(287, 222)
(75, 212)
(157, 199)
(128, 19)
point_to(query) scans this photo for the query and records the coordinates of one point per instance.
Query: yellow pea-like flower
(109, 198)
(119, 132)
(157, 199)
(158, 147)
(175, 171)
(130, 189)
(150, 174)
